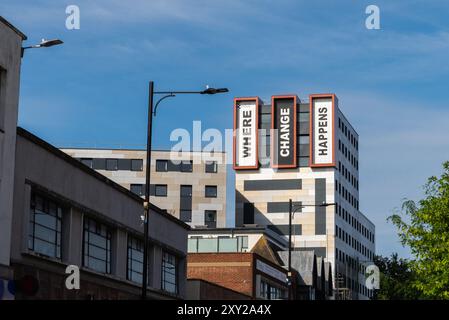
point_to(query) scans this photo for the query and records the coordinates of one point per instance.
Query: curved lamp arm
(164, 97)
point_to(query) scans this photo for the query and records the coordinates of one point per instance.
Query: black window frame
(87, 221)
(47, 204)
(163, 163)
(137, 165)
(209, 195)
(135, 185)
(134, 245)
(210, 223)
(209, 165)
(159, 186)
(110, 160)
(166, 269)
(186, 166)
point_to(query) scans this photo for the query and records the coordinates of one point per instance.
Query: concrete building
(189, 185)
(10, 52)
(307, 152)
(56, 212)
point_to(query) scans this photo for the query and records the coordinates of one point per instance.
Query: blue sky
(392, 83)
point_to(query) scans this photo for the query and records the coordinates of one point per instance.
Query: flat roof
(9, 25)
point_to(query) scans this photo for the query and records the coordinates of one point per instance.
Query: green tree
(424, 227)
(396, 279)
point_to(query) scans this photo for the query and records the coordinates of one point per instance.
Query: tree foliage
(396, 279)
(424, 227)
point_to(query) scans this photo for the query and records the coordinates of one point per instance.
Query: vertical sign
(283, 125)
(322, 134)
(246, 117)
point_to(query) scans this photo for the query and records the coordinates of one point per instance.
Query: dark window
(211, 192)
(124, 164)
(248, 213)
(87, 161)
(99, 164)
(44, 236)
(185, 215)
(169, 273)
(210, 218)
(111, 164)
(160, 190)
(186, 166)
(136, 165)
(97, 246)
(138, 189)
(135, 260)
(161, 165)
(185, 205)
(211, 167)
(186, 191)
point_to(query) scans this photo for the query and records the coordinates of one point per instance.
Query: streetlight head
(214, 90)
(50, 43)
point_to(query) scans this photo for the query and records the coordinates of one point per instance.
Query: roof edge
(9, 25)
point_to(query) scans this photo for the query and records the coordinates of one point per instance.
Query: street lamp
(151, 113)
(44, 44)
(291, 212)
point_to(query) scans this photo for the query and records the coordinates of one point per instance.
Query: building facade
(10, 61)
(189, 185)
(57, 213)
(307, 152)
(67, 214)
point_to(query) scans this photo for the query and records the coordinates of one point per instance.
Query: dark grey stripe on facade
(319, 251)
(320, 212)
(282, 229)
(280, 184)
(281, 207)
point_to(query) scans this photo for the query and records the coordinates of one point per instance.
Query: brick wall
(229, 270)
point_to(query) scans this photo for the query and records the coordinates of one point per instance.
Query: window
(135, 260)
(87, 161)
(185, 205)
(99, 164)
(45, 227)
(160, 190)
(211, 167)
(124, 164)
(161, 165)
(97, 246)
(248, 213)
(111, 164)
(186, 166)
(169, 273)
(210, 218)
(211, 192)
(136, 165)
(138, 189)
(185, 215)
(270, 292)
(186, 191)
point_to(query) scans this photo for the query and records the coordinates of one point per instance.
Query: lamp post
(151, 113)
(291, 211)
(44, 44)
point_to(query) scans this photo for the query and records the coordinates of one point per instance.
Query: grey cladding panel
(280, 207)
(320, 212)
(279, 184)
(282, 229)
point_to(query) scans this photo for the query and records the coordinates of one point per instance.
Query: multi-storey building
(189, 185)
(10, 51)
(306, 152)
(56, 213)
